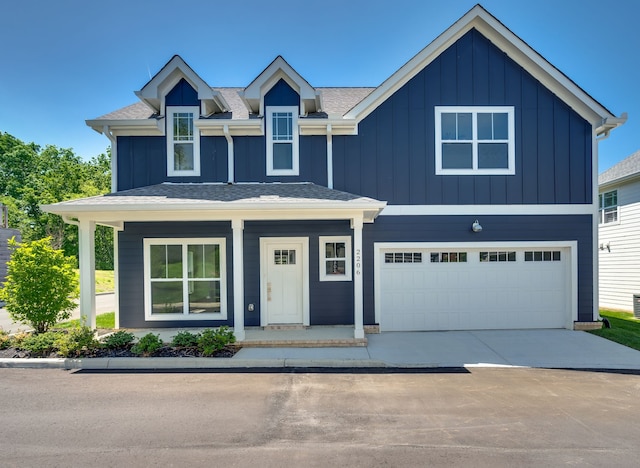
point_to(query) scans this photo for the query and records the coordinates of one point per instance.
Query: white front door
(284, 284)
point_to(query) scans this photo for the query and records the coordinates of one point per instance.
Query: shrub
(75, 341)
(5, 339)
(41, 344)
(211, 341)
(147, 345)
(41, 284)
(119, 340)
(185, 339)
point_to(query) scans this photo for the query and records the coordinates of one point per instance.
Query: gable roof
(628, 168)
(344, 108)
(480, 19)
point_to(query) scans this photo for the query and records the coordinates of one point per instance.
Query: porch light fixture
(475, 227)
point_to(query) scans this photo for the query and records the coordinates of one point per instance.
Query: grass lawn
(625, 328)
(107, 320)
(104, 281)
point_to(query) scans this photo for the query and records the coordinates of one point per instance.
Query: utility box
(636, 305)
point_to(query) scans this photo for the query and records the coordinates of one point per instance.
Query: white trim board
(473, 210)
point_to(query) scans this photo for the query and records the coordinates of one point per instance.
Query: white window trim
(171, 172)
(601, 210)
(222, 315)
(322, 240)
(294, 171)
(475, 110)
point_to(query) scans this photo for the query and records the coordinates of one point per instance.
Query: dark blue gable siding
(142, 161)
(281, 94)
(182, 94)
(496, 228)
(393, 156)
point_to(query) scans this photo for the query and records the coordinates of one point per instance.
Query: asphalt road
(104, 303)
(483, 417)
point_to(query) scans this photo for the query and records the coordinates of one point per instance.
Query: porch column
(358, 291)
(87, 262)
(238, 279)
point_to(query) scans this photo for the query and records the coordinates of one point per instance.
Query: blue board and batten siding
(331, 302)
(393, 156)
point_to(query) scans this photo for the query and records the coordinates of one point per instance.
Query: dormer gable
(253, 95)
(154, 93)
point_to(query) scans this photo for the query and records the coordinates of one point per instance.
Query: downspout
(114, 157)
(230, 158)
(329, 157)
(69, 220)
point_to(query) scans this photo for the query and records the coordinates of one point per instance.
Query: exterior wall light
(475, 227)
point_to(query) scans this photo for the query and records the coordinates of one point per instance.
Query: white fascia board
(477, 210)
(311, 126)
(129, 127)
(215, 127)
(508, 42)
(121, 214)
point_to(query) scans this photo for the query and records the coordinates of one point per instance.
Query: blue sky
(70, 60)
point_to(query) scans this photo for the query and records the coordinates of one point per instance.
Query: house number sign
(358, 261)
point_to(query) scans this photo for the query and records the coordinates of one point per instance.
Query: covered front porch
(232, 203)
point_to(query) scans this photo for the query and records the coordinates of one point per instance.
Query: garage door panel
(474, 294)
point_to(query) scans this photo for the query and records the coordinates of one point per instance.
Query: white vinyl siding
(619, 252)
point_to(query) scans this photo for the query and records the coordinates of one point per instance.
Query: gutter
(609, 123)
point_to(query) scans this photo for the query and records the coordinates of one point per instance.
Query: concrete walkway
(563, 349)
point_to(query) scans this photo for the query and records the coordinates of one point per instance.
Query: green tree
(41, 284)
(31, 176)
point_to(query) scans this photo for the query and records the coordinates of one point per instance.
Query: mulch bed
(165, 351)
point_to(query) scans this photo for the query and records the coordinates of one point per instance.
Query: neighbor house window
(183, 142)
(608, 209)
(282, 140)
(475, 140)
(184, 279)
(335, 258)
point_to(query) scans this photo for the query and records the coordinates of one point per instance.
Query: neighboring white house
(619, 234)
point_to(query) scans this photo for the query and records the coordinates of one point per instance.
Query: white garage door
(470, 289)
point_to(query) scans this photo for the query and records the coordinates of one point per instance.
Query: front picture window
(184, 279)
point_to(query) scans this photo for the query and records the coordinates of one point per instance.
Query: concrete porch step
(302, 343)
(298, 336)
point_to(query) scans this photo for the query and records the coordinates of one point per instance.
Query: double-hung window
(282, 140)
(185, 279)
(183, 141)
(475, 140)
(335, 258)
(608, 207)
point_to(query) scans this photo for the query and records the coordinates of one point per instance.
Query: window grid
(403, 257)
(542, 256)
(608, 207)
(497, 256)
(475, 140)
(448, 257)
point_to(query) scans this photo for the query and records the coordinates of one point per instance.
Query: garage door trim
(572, 246)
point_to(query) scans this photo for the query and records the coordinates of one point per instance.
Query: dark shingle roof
(334, 101)
(625, 168)
(304, 193)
